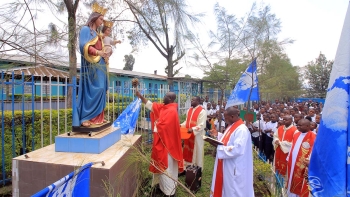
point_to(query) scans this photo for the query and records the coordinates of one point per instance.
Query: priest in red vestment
(282, 143)
(166, 156)
(193, 151)
(302, 144)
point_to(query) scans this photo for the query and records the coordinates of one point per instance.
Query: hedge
(37, 130)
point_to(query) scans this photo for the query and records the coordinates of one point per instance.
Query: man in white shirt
(256, 108)
(219, 105)
(205, 102)
(209, 110)
(258, 127)
(270, 128)
(210, 115)
(312, 114)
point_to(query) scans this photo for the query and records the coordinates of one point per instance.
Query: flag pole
(250, 93)
(251, 88)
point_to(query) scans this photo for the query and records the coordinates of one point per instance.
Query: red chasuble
(192, 116)
(220, 167)
(167, 139)
(280, 156)
(299, 184)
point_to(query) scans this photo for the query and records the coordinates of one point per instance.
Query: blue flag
(75, 184)
(329, 172)
(128, 118)
(246, 85)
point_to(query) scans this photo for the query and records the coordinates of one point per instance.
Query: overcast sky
(315, 25)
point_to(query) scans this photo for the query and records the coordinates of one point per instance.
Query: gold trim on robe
(92, 58)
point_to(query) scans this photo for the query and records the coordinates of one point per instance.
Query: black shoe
(182, 173)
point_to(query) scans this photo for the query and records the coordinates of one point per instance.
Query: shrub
(20, 134)
(28, 97)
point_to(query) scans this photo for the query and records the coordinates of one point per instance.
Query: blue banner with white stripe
(75, 184)
(128, 118)
(246, 86)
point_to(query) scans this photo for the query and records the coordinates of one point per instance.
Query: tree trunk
(170, 69)
(72, 42)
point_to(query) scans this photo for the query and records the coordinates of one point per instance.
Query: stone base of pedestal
(45, 166)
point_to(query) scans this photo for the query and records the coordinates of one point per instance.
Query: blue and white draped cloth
(246, 85)
(329, 170)
(75, 184)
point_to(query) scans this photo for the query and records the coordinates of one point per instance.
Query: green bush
(13, 146)
(151, 96)
(120, 98)
(28, 97)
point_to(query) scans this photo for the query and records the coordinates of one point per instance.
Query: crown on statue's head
(99, 9)
(108, 23)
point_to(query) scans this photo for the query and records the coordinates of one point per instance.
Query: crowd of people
(283, 131)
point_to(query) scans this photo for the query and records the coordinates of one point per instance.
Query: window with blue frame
(118, 85)
(150, 88)
(194, 89)
(126, 87)
(155, 89)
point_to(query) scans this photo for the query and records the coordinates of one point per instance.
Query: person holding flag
(166, 156)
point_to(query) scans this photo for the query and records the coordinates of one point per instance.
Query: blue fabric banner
(75, 184)
(128, 118)
(246, 85)
(329, 164)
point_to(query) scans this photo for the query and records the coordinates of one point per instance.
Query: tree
(164, 24)
(317, 75)
(260, 36)
(223, 73)
(243, 39)
(71, 6)
(19, 34)
(280, 80)
(187, 76)
(129, 62)
(224, 76)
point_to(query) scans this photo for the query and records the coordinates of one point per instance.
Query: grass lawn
(206, 175)
(260, 169)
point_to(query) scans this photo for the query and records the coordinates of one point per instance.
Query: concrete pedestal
(83, 143)
(45, 166)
